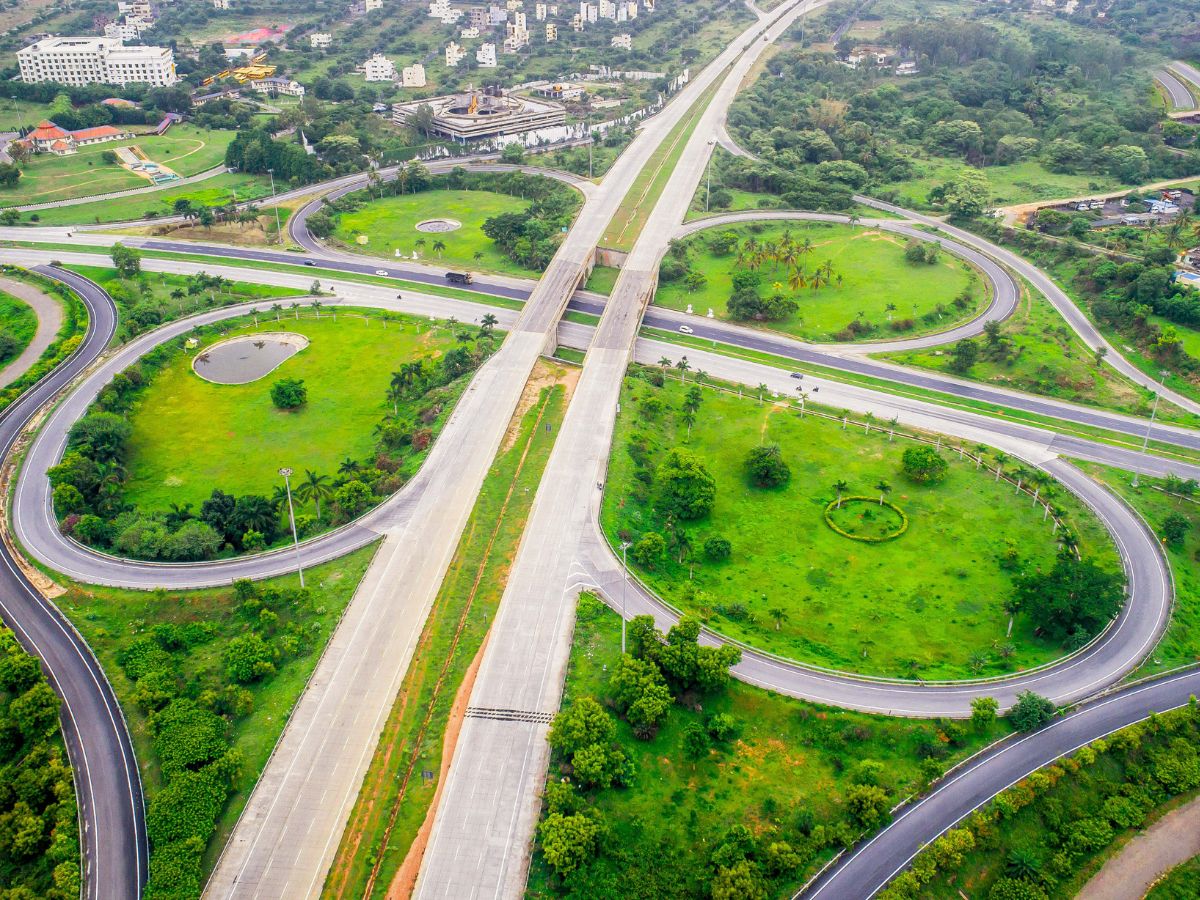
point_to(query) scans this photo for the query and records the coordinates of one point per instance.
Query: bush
(717, 548)
(766, 466)
(289, 393)
(568, 841)
(247, 658)
(688, 490)
(649, 550)
(1031, 711)
(924, 465)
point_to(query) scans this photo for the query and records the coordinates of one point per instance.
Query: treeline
(256, 152)
(1034, 839)
(1071, 99)
(88, 484)
(39, 832)
(194, 681)
(529, 238)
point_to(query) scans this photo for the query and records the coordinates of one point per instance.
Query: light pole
(624, 585)
(708, 176)
(286, 472)
(1153, 412)
(278, 227)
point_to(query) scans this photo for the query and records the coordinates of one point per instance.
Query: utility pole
(1153, 412)
(286, 472)
(279, 239)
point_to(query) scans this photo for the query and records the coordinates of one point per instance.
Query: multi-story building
(551, 32)
(413, 76)
(454, 55)
(139, 8)
(468, 34)
(379, 68)
(607, 9)
(220, 4)
(485, 56)
(276, 86)
(372, 5)
(320, 39)
(539, 12)
(516, 33)
(497, 16)
(95, 60)
(577, 22)
(478, 18)
(622, 41)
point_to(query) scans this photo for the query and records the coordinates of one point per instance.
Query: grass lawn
(1020, 182)
(602, 279)
(215, 191)
(390, 225)
(190, 435)
(1180, 645)
(927, 604)
(1048, 358)
(18, 324)
(452, 639)
(783, 776)
(1181, 883)
(185, 149)
(872, 270)
(110, 619)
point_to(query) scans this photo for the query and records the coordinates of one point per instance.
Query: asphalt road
(868, 867)
(1179, 96)
(107, 781)
(1185, 72)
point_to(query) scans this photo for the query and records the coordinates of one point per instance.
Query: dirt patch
(1173, 839)
(405, 881)
(545, 374)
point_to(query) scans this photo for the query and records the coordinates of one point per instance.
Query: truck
(459, 277)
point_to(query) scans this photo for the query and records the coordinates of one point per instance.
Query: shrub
(650, 549)
(717, 548)
(289, 393)
(867, 804)
(247, 658)
(569, 841)
(924, 465)
(1031, 711)
(766, 466)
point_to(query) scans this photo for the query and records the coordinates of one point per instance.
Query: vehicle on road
(797, 374)
(686, 329)
(459, 277)
(310, 262)
(382, 272)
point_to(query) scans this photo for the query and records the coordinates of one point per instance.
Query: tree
(694, 281)
(126, 260)
(867, 804)
(247, 658)
(840, 487)
(983, 712)
(966, 197)
(1031, 711)
(352, 498)
(639, 692)
(583, 723)
(649, 550)
(1175, 528)
(766, 466)
(964, 355)
(924, 465)
(1007, 888)
(688, 489)
(1075, 597)
(102, 436)
(513, 154)
(884, 489)
(289, 393)
(717, 548)
(314, 487)
(568, 841)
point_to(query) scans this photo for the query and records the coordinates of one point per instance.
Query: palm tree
(803, 399)
(348, 466)
(395, 394)
(1001, 458)
(796, 279)
(779, 615)
(487, 324)
(884, 489)
(316, 305)
(254, 312)
(276, 308)
(1022, 473)
(682, 366)
(840, 487)
(477, 256)
(762, 389)
(980, 449)
(314, 487)
(895, 420)
(701, 376)
(688, 418)
(889, 309)
(439, 247)
(178, 515)
(664, 362)
(296, 309)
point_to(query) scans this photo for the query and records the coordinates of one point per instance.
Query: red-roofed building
(50, 138)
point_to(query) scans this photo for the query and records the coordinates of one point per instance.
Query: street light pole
(708, 176)
(1150, 427)
(286, 472)
(278, 227)
(624, 586)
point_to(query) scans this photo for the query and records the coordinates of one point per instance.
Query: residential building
(649, 6)
(485, 56)
(372, 5)
(277, 86)
(469, 33)
(379, 68)
(129, 30)
(576, 22)
(560, 91)
(607, 9)
(551, 32)
(441, 9)
(516, 33)
(478, 18)
(622, 41)
(539, 12)
(95, 60)
(622, 15)
(497, 16)
(320, 39)
(50, 138)
(413, 76)
(139, 8)
(631, 9)
(454, 55)
(907, 68)
(220, 4)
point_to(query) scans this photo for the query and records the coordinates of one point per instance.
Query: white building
(485, 56)
(413, 76)
(516, 33)
(95, 60)
(129, 30)
(622, 15)
(277, 86)
(454, 55)
(539, 12)
(497, 15)
(576, 22)
(469, 33)
(622, 41)
(379, 68)
(631, 9)
(372, 5)
(220, 4)
(607, 9)
(140, 8)
(551, 32)
(320, 39)
(441, 9)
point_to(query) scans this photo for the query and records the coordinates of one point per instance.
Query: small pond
(241, 360)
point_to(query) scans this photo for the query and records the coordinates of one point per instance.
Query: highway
(107, 780)
(1187, 73)
(1178, 95)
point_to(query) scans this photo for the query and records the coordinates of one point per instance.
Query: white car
(381, 272)
(684, 329)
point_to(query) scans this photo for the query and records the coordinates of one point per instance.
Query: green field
(869, 274)
(18, 324)
(1020, 182)
(784, 775)
(185, 149)
(1181, 883)
(390, 225)
(216, 191)
(927, 604)
(190, 435)
(110, 619)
